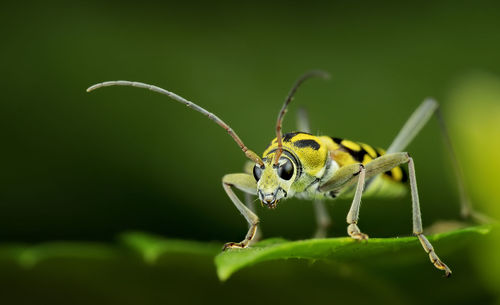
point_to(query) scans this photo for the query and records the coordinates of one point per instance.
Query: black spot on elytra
(307, 143)
(287, 137)
(357, 155)
(337, 140)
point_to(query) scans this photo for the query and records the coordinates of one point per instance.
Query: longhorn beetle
(299, 164)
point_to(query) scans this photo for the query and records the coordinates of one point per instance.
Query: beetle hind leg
(409, 131)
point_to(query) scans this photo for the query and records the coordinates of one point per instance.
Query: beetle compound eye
(257, 172)
(285, 170)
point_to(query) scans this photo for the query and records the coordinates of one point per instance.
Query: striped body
(318, 157)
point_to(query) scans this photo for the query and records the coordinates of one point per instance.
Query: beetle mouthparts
(271, 205)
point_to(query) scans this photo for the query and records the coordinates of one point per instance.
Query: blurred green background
(86, 167)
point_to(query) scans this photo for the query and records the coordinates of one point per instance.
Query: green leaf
(149, 246)
(152, 247)
(337, 249)
(30, 255)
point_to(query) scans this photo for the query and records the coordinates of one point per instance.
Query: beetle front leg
(246, 183)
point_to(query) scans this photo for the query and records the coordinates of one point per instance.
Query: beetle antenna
(248, 153)
(281, 115)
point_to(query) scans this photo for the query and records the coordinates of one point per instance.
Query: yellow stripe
(397, 173)
(367, 159)
(351, 145)
(369, 150)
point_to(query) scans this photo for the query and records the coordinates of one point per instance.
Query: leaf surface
(338, 249)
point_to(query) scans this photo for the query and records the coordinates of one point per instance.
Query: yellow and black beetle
(300, 164)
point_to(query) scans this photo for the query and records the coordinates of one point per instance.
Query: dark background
(80, 166)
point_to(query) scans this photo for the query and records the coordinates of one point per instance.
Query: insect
(299, 164)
